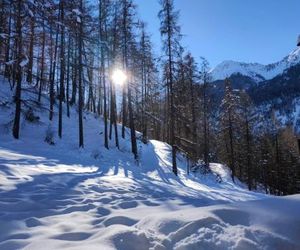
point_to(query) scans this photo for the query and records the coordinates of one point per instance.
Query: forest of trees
(68, 50)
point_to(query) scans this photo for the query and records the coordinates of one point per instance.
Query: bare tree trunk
(74, 75)
(30, 63)
(232, 160)
(249, 163)
(124, 111)
(102, 32)
(130, 109)
(16, 125)
(42, 63)
(7, 72)
(172, 115)
(205, 120)
(104, 100)
(80, 75)
(68, 78)
(62, 67)
(52, 97)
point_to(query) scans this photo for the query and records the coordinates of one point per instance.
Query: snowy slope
(60, 197)
(256, 71)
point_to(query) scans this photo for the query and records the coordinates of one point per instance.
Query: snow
(3, 35)
(24, 61)
(11, 62)
(77, 12)
(62, 197)
(78, 15)
(256, 71)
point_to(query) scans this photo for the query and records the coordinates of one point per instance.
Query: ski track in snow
(62, 197)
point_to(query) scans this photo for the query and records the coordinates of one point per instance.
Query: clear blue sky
(261, 31)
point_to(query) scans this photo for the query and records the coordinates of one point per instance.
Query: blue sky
(262, 31)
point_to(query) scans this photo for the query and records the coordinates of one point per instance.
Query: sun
(119, 77)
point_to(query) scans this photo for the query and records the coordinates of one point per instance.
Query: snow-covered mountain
(256, 71)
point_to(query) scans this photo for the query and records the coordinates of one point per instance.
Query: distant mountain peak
(256, 71)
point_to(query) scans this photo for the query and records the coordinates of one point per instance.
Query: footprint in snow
(105, 200)
(119, 220)
(73, 236)
(150, 203)
(103, 211)
(33, 222)
(21, 236)
(128, 204)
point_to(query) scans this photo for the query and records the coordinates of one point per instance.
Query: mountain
(272, 87)
(258, 72)
(281, 89)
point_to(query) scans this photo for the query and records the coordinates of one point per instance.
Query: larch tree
(228, 126)
(103, 18)
(170, 32)
(205, 79)
(80, 22)
(62, 67)
(127, 10)
(19, 65)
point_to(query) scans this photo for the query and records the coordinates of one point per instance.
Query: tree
(19, 43)
(113, 104)
(42, 66)
(103, 16)
(228, 126)
(62, 67)
(145, 55)
(80, 22)
(246, 149)
(52, 70)
(32, 34)
(128, 7)
(170, 32)
(205, 77)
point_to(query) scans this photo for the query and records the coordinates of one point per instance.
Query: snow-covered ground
(62, 197)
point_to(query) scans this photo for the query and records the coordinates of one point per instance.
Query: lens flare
(119, 77)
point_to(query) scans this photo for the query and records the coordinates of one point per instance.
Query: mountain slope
(256, 71)
(61, 197)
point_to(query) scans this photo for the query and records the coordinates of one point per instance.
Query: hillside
(280, 94)
(60, 197)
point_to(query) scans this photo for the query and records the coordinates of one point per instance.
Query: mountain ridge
(258, 72)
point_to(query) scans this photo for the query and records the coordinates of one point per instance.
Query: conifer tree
(170, 32)
(19, 60)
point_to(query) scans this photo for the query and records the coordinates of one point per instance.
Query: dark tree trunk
(205, 127)
(130, 109)
(52, 97)
(30, 63)
(232, 160)
(68, 78)
(103, 36)
(80, 75)
(74, 77)
(42, 63)
(249, 153)
(62, 67)
(172, 114)
(16, 125)
(7, 72)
